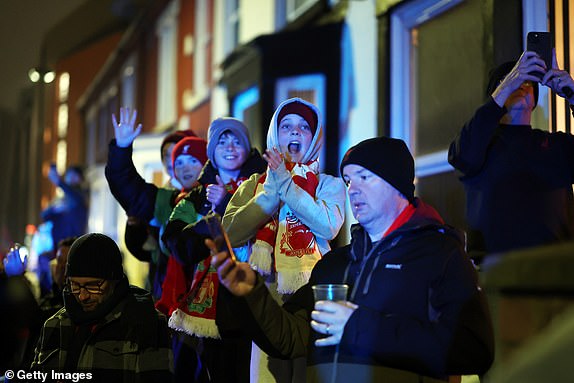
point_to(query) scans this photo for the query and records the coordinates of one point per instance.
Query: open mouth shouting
(294, 147)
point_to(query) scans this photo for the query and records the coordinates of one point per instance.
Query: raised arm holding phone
(518, 180)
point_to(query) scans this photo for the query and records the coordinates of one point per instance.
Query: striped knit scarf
(285, 245)
(197, 309)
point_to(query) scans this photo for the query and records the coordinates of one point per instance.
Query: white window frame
(403, 20)
(245, 100)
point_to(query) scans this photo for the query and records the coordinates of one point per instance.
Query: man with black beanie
(518, 180)
(107, 328)
(414, 311)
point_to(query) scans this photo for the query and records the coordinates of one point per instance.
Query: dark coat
(69, 214)
(130, 344)
(518, 181)
(184, 240)
(420, 307)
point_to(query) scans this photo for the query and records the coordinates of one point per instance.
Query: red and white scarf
(197, 309)
(284, 244)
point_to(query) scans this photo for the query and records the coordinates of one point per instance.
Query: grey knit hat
(220, 125)
(95, 255)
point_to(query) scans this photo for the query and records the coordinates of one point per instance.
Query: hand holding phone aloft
(559, 81)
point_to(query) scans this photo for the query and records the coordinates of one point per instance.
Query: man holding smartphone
(518, 180)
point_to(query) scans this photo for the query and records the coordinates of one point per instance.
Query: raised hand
(237, 277)
(330, 318)
(559, 80)
(53, 175)
(215, 192)
(273, 157)
(124, 130)
(13, 264)
(528, 63)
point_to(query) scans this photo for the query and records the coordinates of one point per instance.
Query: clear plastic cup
(330, 292)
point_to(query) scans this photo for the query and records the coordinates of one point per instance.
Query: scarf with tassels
(197, 309)
(284, 244)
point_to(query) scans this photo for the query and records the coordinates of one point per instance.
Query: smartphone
(218, 234)
(541, 43)
(22, 251)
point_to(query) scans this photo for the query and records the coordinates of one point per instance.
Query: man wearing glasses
(107, 328)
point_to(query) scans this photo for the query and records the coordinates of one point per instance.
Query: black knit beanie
(497, 74)
(95, 255)
(389, 158)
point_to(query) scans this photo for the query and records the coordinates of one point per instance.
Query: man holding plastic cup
(414, 310)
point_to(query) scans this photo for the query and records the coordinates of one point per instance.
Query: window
(562, 20)
(166, 30)
(129, 83)
(62, 125)
(429, 103)
(231, 28)
(200, 54)
(437, 81)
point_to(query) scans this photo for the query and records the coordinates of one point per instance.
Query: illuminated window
(62, 120)
(561, 22)
(63, 87)
(61, 155)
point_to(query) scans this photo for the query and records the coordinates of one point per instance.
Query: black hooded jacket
(420, 306)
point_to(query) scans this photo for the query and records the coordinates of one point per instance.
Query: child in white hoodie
(288, 215)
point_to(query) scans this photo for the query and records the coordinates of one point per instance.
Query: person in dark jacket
(223, 349)
(141, 238)
(143, 202)
(20, 318)
(518, 180)
(148, 203)
(68, 214)
(108, 331)
(415, 311)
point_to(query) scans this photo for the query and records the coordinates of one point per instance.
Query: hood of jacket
(317, 141)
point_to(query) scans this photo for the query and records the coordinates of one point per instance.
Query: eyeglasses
(90, 287)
